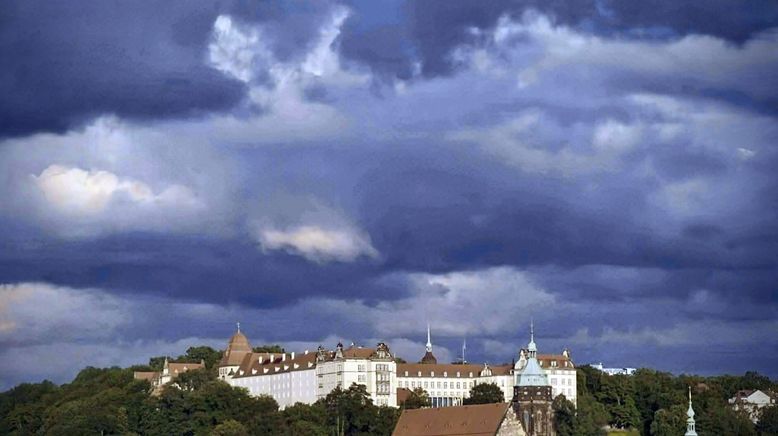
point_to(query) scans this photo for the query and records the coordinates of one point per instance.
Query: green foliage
(110, 401)
(417, 399)
(768, 422)
(669, 422)
(197, 354)
(157, 362)
(616, 393)
(307, 419)
(654, 391)
(591, 417)
(270, 348)
(195, 379)
(484, 393)
(351, 412)
(230, 427)
(564, 416)
(718, 418)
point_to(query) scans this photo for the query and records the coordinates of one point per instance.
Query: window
(438, 385)
(425, 385)
(458, 386)
(432, 373)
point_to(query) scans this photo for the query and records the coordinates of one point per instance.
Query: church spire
(690, 430)
(532, 349)
(238, 324)
(429, 340)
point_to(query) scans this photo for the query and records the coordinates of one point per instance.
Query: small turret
(690, 430)
(428, 356)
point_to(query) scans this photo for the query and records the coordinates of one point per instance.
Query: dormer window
(432, 373)
(445, 373)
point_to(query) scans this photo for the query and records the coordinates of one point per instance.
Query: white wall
(286, 387)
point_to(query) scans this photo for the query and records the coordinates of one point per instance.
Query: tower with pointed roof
(238, 347)
(532, 394)
(428, 356)
(690, 430)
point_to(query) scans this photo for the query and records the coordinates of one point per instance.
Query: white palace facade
(309, 376)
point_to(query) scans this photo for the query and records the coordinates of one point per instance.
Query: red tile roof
(476, 420)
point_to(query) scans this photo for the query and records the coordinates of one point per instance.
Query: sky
(352, 171)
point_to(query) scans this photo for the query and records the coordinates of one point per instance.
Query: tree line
(109, 401)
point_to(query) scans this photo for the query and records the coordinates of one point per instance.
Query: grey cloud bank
(606, 169)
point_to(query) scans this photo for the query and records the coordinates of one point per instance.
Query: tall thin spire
(531, 347)
(429, 339)
(238, 323)
(690, 425)
(464, 347)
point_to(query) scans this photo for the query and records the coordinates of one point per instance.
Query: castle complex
(308, 376)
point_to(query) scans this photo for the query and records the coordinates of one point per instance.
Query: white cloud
(81, 192)
(236, 50)
(318, 244)
(287, 115)
(75, 202)
(540, 46)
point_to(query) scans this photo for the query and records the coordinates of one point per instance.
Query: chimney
(283, 357)
(292, 355)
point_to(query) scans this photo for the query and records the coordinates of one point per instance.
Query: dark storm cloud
(63, 65)
(431, 29)
(630, 205)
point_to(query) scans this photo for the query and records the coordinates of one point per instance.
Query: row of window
(564, 381)
(445, 374)
(440, 385)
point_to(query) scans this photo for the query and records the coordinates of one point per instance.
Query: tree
(616, 393)
(669, 422)
(485, 393)
(718, 418)
(768, 422)
(307, 419)
(197, 354)
(351, 412)
(269, 348)
(654, 390)
(564, 416)
(230, 427)
(194, 379)
(591, 417)
(417, 399)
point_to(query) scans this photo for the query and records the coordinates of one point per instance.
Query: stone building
(532, 395)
